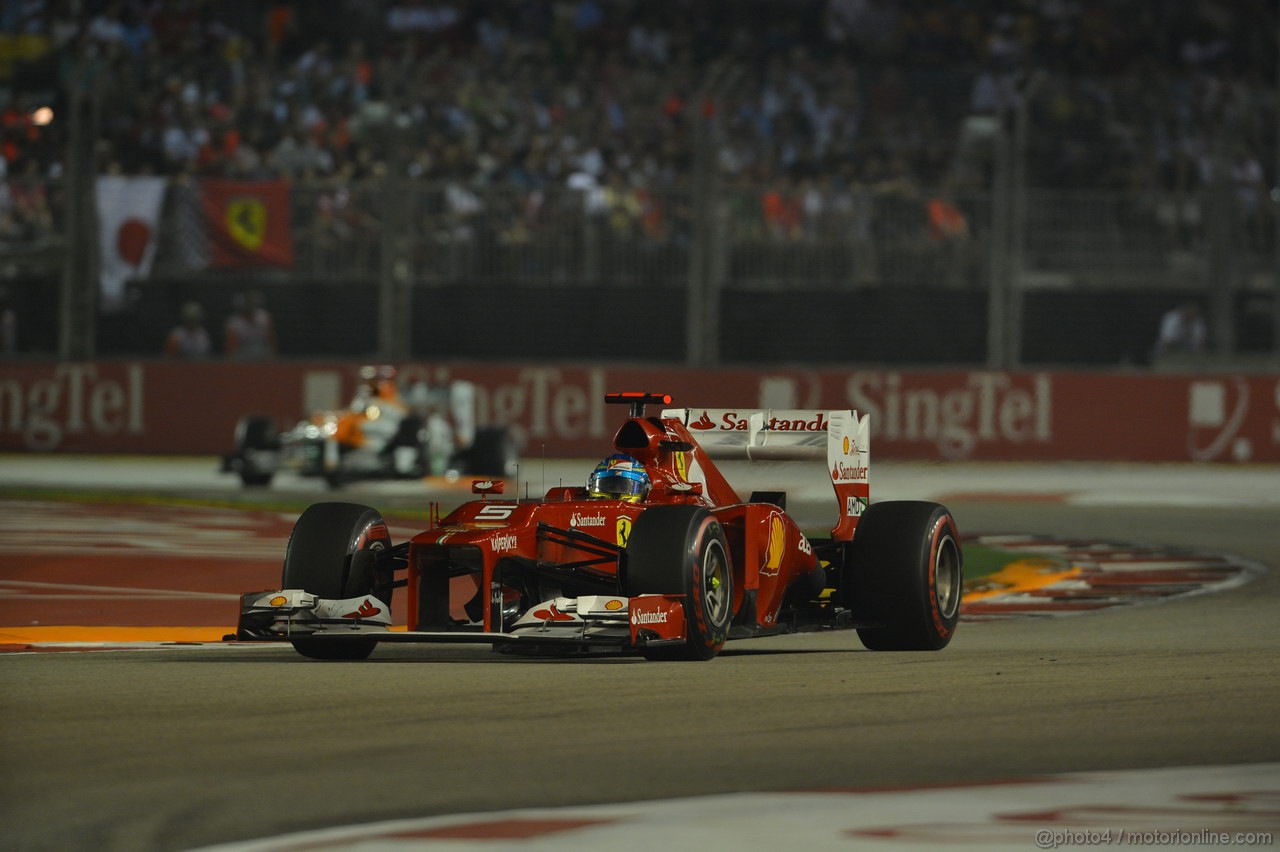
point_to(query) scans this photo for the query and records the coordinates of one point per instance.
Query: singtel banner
(559, 411)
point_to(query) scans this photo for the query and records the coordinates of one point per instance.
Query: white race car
(381, 434)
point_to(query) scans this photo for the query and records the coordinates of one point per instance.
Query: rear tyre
(257, 447)
(682, 550)
(332, 553)
(904, 576)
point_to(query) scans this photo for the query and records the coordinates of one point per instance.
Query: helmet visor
(617, 485)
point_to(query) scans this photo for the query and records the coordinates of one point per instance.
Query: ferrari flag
(248, 222)
(128, 213)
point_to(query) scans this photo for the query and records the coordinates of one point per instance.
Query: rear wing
(840, 439)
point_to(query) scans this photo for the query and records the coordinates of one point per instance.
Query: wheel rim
(946, 577)
(715, 582)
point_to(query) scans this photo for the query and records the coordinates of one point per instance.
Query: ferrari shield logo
(247, 222)
(624, 531)
(682, 467)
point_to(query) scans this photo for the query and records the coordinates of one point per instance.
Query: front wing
(603, 620)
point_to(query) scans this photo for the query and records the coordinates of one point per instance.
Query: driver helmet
(620, 477)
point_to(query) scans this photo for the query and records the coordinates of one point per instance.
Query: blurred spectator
(949, 236)
(947, 224)
(189, 339)
(528, 95)
(1250, 184)
(830, 81)
(24, 204)
(26, 217)
(1182, 331)
(250, 330)
(782, 211)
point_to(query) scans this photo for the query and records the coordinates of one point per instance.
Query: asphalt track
(194, 745)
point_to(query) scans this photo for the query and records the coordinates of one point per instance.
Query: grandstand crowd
(808, 98)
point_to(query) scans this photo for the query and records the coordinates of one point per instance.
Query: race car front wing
(607, 620)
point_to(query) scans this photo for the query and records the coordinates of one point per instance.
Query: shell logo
(613, 605)
(278, 600)
(846, 445)
(777, 541)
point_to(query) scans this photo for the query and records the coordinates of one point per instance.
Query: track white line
(1136, 808)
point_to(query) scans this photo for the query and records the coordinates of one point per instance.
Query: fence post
(77, 304)
(395, 275)
(998, 343)
(708, 245)
(1274, 196)
(1018, 221)
(1221, 267)
(702, 344)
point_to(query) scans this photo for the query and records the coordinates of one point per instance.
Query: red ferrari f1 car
(657, 554)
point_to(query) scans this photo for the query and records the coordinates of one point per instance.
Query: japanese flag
(128, 214)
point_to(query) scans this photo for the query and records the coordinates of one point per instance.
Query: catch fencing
(887, 273)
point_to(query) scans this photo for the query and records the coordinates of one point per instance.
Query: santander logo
(366, 610)
(732, 421)
(844, 473)
(703, 423)
(550, 613)
(659, 617)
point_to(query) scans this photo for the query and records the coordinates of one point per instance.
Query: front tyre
(904, 576)
(682, 550)
(333, 554)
